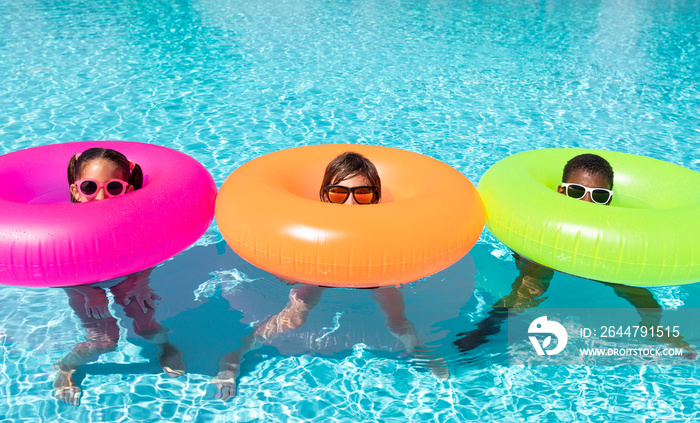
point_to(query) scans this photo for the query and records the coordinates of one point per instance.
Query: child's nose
(100, 194)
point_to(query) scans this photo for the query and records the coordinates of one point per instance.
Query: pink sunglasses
(89, 188)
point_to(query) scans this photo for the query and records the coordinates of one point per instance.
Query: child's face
(587, 179)
(101, 171)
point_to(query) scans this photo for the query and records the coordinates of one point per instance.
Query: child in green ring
(586, 177)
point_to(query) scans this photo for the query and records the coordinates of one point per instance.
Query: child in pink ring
(94, 175)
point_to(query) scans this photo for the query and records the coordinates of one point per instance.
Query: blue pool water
(465, 82)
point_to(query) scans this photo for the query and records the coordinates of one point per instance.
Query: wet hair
(591, 163)
(76, 166)
(348, 165)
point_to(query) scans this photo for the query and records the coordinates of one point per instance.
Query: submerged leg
(650, 313)
(391, 302)
(526, 292)
(138, 301)
(102, 337)
(302, 299)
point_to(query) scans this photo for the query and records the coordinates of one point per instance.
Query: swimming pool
(466, 82)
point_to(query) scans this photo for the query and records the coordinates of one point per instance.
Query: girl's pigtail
(71, 169)
(136, 178)
(71, 174)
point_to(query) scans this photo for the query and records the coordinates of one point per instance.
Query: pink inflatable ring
(47, 241)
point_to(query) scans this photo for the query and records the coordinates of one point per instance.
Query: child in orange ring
(351, 173)
(586, 177)
(98, 174)
(350, 178)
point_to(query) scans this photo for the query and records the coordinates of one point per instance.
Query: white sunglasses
(578, 191)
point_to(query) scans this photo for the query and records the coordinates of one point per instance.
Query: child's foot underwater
(170, 359)
(65, 389)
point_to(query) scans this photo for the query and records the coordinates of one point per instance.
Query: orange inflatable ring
(269, 212)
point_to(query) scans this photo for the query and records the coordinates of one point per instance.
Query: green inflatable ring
(648, 236)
